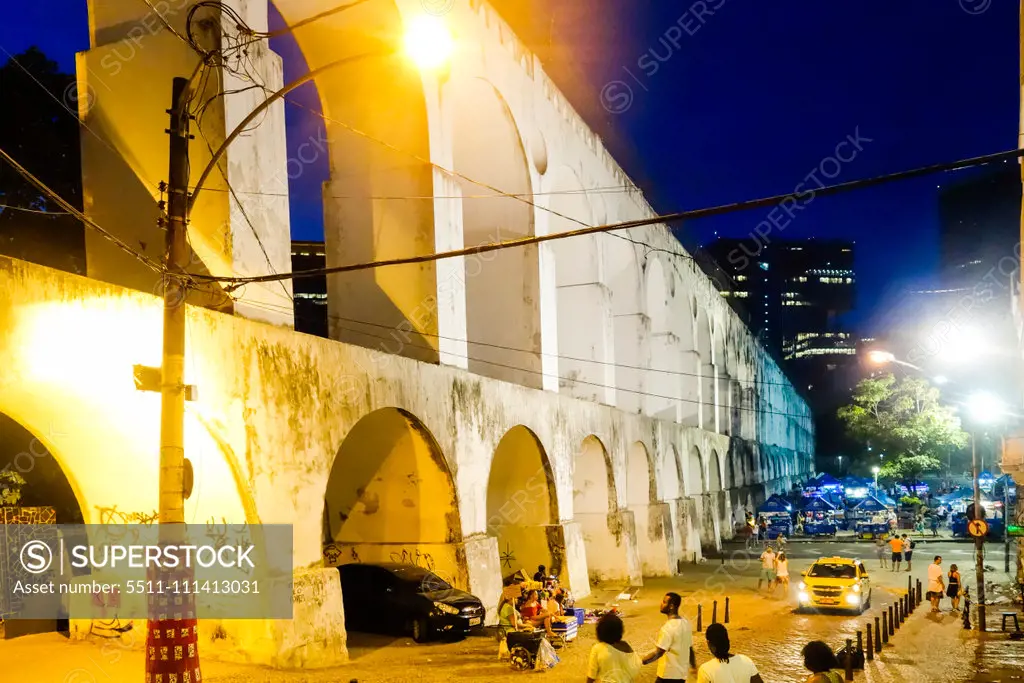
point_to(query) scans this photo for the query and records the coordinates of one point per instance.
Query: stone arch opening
(708, 372)
(664, 381)
(34, 489)
(596, 510)
(377, 197)
(390, 498)
(502, 287)
(584, 300)
(522, 506)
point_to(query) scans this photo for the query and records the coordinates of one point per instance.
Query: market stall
(779, 514)
(870, 518)
(819, 517)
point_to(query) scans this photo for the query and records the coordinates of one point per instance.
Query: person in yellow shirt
(896, 543)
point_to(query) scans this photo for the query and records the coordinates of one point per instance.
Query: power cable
(625, 225)
(560, 378)
(39, 211)
(42, 187)
(559, 356)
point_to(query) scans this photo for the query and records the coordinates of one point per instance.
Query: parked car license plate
(475, 621)
(829, 602)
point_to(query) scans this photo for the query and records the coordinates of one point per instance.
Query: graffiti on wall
(111, 515)
(28, 515)
(413, 556)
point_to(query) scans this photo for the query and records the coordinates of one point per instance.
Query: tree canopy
(903, 419)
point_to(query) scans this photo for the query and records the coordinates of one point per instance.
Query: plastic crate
(580, 614)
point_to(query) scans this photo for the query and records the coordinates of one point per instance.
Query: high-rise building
(790, 292)
(310, 292)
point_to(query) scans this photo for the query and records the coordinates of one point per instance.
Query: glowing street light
(875, 470)
(881, 357)
(964, 346)
(428, 42)
(985, 407)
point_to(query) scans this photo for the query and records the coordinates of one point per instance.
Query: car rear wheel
(421, 630)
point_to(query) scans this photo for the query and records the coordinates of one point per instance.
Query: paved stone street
(926, 648)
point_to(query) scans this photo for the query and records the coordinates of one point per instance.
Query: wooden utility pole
(979, 541)
(172, 642)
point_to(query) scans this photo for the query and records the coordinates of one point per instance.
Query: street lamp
(875, 470)
(984, 408)
(881, 357)
(428, 42)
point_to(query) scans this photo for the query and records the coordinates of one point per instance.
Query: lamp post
(984, 408)
(875, 470)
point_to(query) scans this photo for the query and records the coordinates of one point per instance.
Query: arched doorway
(632, 349)
(378, 198)
(664, 381)
(596, 510)
(502, 287)
(33, 490)
(708, 371)
(522, 506)
(390, 498)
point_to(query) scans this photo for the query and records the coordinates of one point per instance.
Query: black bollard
(892, 626)
(899, 615)
(695, 558)
(919, 593)
(860, 643)
(967, 610)
(910, 584)
(699, 619)
(726, 621)
(849, 659)
(878, 635)
(885, 629)
(871, 644)
(714, 611)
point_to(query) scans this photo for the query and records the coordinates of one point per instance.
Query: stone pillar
(611, 548)
(631, 349)
(723, 399)
(122, 95)
(688, 511)
(664, 388)
(709, 397)
(654, 536)
(574, 563)
(483, 564)
(585, 331)
(691, 390)
(710, 533)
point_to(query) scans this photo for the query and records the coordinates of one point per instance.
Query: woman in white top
(725, 667)
(612, 660)
(782, 573)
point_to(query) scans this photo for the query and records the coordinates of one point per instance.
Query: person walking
(782, 573)
(896, 545)
(767, 569)
(725, 667)
(880, 548)
(822, 663)
(935, 525)
(673, 650)
(954, 589)
(935, 585)
(612, 660)
(908, 550)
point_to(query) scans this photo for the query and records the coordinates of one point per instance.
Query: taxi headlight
(803, 597)
(853, 599)
(803, 586)
(856, 588)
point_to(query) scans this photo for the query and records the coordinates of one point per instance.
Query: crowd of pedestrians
(613, 659)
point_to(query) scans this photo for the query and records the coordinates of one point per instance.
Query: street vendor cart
(819, 517)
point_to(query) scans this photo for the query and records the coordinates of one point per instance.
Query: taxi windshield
(826, 570)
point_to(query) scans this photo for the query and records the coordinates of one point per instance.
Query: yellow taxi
(835, 583)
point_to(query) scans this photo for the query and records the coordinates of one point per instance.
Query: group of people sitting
(525, 610)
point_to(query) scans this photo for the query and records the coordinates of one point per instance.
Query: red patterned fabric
(172, 635)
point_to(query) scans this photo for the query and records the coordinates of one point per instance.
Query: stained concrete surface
(926, 648)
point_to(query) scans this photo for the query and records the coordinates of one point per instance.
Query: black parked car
(405, 599)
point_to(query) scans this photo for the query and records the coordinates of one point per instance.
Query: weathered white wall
(271, 425)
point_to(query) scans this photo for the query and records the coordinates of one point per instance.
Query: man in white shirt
(935, 582)
(674, 645)
(767, 569)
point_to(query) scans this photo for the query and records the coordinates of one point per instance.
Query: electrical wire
(623, 366)
(27, 210)
(543, 374)
(45, 189)
(625, 225)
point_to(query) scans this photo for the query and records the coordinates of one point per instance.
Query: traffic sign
(977, 528)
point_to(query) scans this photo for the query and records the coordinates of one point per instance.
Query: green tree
(903, 419)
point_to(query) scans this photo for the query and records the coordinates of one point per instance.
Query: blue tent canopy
(818, 504)
(871, 504)
(774, 504)
(827, 480)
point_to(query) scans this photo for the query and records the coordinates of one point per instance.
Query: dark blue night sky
(749, 104)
